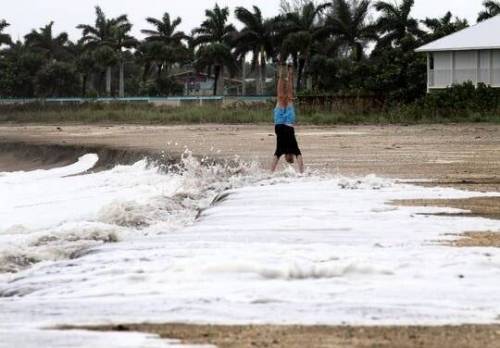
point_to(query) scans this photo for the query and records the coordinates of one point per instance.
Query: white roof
(482, 36)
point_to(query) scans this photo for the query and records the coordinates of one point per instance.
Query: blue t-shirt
(284, 115)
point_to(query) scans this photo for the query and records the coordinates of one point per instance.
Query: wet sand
(461, 156)
(477, 240)
(466, 336)
(487, 207)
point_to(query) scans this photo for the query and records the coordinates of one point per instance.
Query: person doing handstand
(284, 121)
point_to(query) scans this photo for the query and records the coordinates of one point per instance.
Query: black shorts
(286, 142)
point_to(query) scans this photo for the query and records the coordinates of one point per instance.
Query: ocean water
(229, 243)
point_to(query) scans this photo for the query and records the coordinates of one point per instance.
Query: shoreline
(299, 336)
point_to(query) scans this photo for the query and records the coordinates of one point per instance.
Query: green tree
(163, 47)
(57, 79)
(444, 26)
(19, 65)
(109, 33)
(256, 38)
(165, 30)
(492, 9)
(86, 66)
(396, 25)
(4, 38)
(302, 31)
(49, 46)
(348, 22)
(214, 39)
(398, 72)
(122, 42)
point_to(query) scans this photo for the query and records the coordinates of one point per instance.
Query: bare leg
(282, 88)
(290, 90)
(275, 163)
(300, 161)
(281, 103)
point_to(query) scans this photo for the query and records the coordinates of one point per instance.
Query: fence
(307, 103)
(159, 101)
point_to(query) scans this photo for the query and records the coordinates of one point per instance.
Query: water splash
(58, 214)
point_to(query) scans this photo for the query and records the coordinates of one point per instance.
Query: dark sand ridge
(17, 156)
(461, 156)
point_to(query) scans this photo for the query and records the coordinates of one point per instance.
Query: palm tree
(4, 38)
(43, 41)
(214, 38)
(123, 41)
(256, 37)
(348, 22)
(302, 30)
(111, 33)
(164, 45)
(395, 23)
(492, 9)
(85, 64)
(165, 30)
(218, 57)
(440, 27)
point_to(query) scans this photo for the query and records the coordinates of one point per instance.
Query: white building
(472, 54)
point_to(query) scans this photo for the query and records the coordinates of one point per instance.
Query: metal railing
(152, 100)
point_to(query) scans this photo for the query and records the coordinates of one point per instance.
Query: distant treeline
(335, 47)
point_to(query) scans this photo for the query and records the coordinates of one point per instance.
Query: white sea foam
(137, 244)
(48, 215)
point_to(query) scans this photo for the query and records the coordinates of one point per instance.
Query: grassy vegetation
(238, 114)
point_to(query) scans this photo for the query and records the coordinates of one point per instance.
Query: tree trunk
(307, 74)
(158, 76)
(263, 81)
(216, 79)
(309, 83)
(84, 85)
(219, 87)
(258, 81)
(300, 70)
(243, 77)
(100, 84)
(91, 83)
(108, 81)
(262, 73)
(122, 80)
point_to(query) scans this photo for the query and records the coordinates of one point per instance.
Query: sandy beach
(466, 157)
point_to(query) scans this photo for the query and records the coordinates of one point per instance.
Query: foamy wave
(139, 199)
(67, 241)
(110, 205)
(299, 270)
(371, 181)
(134, 214)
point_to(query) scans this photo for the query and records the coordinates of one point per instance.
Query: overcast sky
(24, 15)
